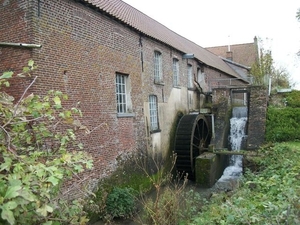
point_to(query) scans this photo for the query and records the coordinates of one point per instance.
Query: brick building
(245, 54)
(127, 70)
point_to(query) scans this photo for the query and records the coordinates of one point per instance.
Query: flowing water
(236, 139)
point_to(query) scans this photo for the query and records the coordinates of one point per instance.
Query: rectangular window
(157, 67)
(190, 76)
(175, 73)
(153, 112)
(121, 93)
(123, 88)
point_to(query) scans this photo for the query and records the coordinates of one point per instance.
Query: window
(190, 76)
(200, 76)
(153, 113)
(175, 73)
(123, 94)
(157, 67)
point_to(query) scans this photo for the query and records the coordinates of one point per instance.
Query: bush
(293, 99)
(270, 196)
(38, 152)
(120, 203)
(283, 124)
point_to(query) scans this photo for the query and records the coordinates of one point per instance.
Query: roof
(150, 27)
(245, 54)
(242, 70)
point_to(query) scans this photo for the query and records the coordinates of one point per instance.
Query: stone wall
(257, 117)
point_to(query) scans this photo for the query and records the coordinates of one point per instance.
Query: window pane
(175, 72)
(121, 93)
(153, 112)
(157, 66)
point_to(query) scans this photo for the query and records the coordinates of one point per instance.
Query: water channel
(236, 137)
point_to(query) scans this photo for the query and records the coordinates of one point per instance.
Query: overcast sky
(220, 22)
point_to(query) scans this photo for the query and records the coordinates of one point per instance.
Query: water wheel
(192, 138)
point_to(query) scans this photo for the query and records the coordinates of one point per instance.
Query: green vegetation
(293, 99)
(283, 123)
(270, 192)
(39, 151)
(268, 196)
(120, 203)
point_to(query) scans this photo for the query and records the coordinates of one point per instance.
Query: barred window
(157, 67)
(153, 113)
(123, 93)
(175, 73)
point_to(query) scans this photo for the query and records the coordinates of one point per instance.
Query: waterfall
(236, 138)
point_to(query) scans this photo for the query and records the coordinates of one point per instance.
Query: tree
(38, 152)
(281, 78)
(262, 68)
(265, 69)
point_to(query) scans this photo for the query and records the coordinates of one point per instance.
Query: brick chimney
(229, 55)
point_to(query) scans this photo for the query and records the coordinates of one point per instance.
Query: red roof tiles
(150, 27)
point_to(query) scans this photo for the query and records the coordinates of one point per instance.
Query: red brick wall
(81, 52)
(15, 27)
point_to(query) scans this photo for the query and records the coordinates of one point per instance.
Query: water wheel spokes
(192, 138)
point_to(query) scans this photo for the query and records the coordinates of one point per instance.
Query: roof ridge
(154, 29)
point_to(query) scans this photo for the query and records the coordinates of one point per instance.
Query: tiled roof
(150, 27)
(245, 54)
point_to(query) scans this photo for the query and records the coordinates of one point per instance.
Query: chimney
(229, 52)
(229, 55)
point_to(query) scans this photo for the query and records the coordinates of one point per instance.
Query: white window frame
(123, 98)
(190, 76)
(158, 72)
(153, 111)
(175, 72)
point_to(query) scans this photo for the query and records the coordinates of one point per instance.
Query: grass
(268, 196)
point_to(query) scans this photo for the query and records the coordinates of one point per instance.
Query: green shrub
(283, 124)
(36, 156)
(120, 203)
(270, 196)
(293, 99)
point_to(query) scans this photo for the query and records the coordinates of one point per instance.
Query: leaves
(53, 180)
(6, 164)
(6, 75)
(35, 158)
(7, 213)
(12, 192)
(44, 210)
(269, 196)
(57, 102)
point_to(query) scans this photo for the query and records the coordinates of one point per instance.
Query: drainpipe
(20, 45)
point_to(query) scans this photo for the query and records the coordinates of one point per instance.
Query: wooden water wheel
(192, 138)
